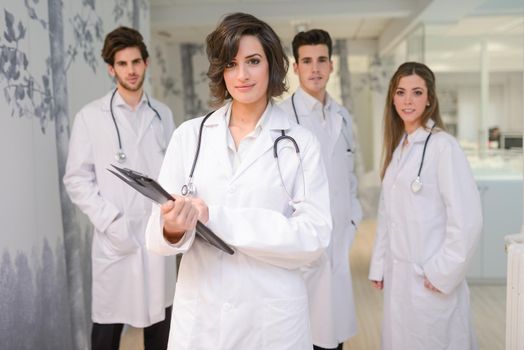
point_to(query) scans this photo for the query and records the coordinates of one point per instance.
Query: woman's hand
(429, 286)
(378, 284)
(179, 216)
(203, 210)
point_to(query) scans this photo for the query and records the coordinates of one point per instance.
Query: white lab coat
(129, 283)
(431, 233)
(331, 302)
(255, 299)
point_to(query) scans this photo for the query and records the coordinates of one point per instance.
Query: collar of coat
(309, 103)
(276, 118)
(118, 100)
(421, 133)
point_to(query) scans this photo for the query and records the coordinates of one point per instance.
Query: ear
(295, 68)
(330, 66)
(146, 62)
(111, 70)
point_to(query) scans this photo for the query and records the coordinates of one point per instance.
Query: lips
(244, 88)
(132, 80)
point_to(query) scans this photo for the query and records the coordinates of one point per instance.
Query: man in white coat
(127, 128)
(332, 309)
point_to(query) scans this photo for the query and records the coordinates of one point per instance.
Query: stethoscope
(120, 156)
(189, 188)
(416, 185)
(349, 150)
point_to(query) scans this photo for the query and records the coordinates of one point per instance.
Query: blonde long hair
(393, 124)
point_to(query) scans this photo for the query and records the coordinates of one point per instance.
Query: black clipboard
(152, 190)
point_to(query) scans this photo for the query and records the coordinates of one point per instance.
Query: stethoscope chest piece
(416, 185)
(120, 156)
(188, 190)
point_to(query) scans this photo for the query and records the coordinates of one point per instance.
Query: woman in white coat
(429, 222)
(274, 212)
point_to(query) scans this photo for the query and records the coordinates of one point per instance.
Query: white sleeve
(274, 238)
(80, 178)
(448, 267)
(376, 268)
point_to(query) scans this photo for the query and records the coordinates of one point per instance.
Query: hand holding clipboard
(152, 190)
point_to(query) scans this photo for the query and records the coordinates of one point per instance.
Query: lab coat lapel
(147, 121)
(418, 138)
(339, 129)
(277, 120)
(214, 134)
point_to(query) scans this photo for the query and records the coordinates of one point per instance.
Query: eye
(306, 61)
(323, 59)
(399, 93)
(418, 93)
(254, 61)
(230, 65)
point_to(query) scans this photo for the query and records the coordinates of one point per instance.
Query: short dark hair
(122, 38)
(312, 37)
(222, 47)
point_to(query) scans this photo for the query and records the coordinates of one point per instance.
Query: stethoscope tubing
(188, 189)
(114, 119)
(424, 151)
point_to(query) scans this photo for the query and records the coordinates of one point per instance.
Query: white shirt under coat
(431, 233)
(331, 301)
(255, 299)
(129, 283)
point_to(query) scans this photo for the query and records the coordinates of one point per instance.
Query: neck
(130, 97)
(246, 116)
(410, 127)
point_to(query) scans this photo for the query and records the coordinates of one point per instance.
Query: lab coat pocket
(117, 240)
(437, 312)
(285, 324)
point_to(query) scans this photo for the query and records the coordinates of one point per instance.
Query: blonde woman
(429, 222)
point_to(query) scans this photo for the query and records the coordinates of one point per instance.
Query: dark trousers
(106, 336)
(339, 347)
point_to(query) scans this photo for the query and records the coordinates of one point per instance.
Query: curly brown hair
(222, 47)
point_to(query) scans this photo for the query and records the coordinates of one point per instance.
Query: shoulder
(444, 140)
(286, 109)
(94, 109)
(162, 107)
(286, 104)
(446, 144)
(189, 126)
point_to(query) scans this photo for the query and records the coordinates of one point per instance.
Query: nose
(131, 68)
(243, 72)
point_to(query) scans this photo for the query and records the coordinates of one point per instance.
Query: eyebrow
(253, 55)
(310, 58)
(415, 88)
